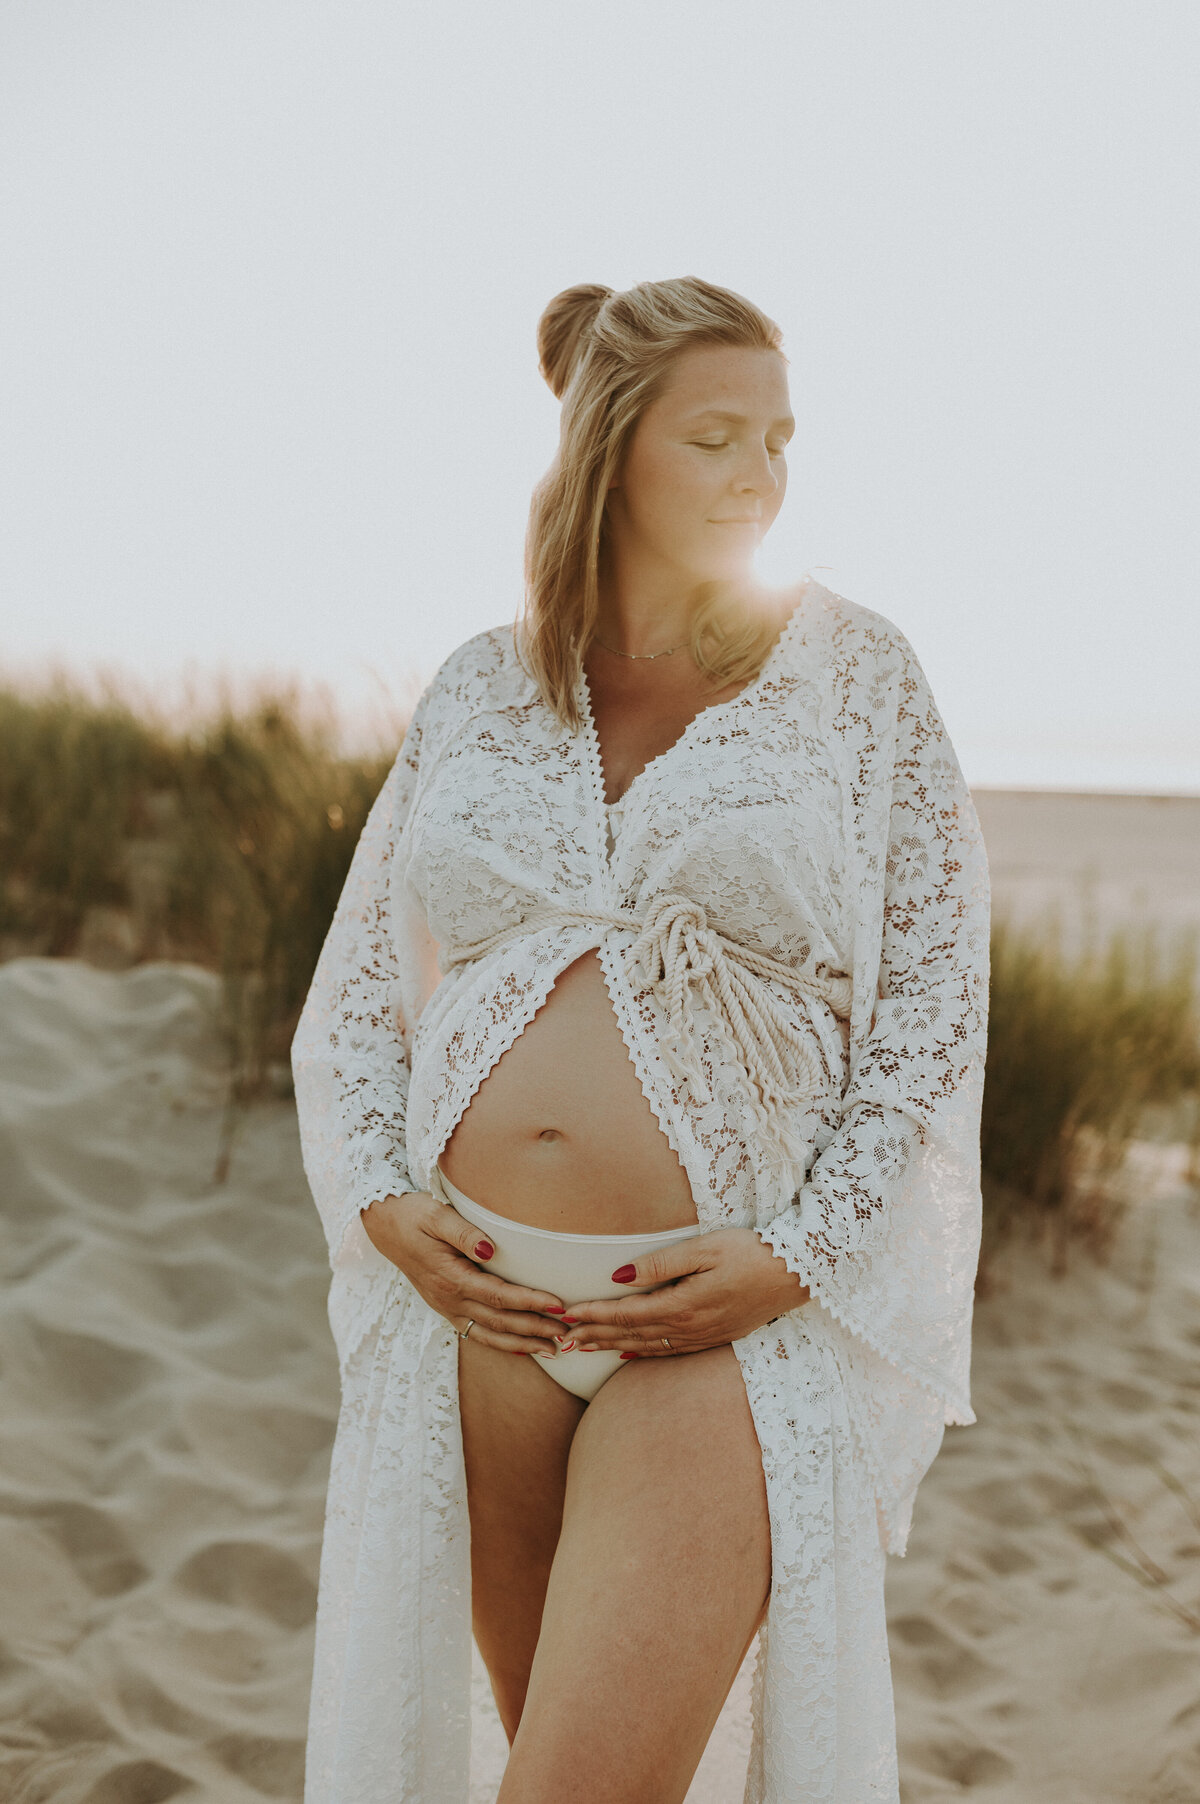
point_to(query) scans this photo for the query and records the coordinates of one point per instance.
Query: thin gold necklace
(640, 654)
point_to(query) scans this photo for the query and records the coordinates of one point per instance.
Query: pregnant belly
(560, 1135)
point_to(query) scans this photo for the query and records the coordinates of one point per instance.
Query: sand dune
(170, 1393)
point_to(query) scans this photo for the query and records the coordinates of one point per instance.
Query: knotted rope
(679, 952)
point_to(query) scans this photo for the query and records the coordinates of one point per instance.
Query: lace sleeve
(350, 1053)
(885, 1229)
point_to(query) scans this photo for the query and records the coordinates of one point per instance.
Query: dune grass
(225, 840)
(1087, 1049)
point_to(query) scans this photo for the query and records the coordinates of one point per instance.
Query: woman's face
(704, 474)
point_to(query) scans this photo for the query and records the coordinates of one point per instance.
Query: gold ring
(466, 1331)
(665, 1341)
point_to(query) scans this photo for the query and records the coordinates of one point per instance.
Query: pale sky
(273, 272)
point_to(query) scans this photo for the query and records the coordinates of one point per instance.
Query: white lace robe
(821, 817)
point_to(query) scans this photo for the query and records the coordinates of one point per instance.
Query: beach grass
(1088, 1049)
(224, 839)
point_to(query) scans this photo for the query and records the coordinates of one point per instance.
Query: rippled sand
(170, 1393)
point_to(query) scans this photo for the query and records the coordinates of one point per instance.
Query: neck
(654, 610)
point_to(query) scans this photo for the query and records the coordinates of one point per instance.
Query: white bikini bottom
(576, 1267)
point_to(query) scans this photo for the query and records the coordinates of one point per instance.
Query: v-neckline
(584, 698)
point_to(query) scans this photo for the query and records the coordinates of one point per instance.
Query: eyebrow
(735, 419)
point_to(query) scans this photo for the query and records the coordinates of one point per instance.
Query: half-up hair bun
(562, 329)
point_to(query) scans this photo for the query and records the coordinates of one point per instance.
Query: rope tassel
(678, 950)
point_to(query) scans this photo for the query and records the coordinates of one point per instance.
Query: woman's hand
(436, 1250)
(717, 1287)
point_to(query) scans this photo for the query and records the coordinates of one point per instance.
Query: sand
(1045, 1623)
(169, 1396)
(169, 1400)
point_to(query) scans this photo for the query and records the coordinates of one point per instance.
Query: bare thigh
(659, 1581)
(517, 1427)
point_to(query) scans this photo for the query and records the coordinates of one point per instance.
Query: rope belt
(678, 951)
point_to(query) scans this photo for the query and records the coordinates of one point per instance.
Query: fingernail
(565, 1345)
(571, 1320)
(589, 1349)
(554, 1308)
(625, 1275)
(631, 1356)
(484, 1249)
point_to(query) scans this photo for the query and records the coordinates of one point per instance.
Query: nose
(758, 473)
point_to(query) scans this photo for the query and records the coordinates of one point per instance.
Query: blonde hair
(606, 355)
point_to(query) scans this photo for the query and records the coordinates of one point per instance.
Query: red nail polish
(631, 1356)
(571, 1320)
(484, 1250)
(554, 1309)
(625, 1275)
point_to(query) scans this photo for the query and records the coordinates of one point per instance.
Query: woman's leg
(517, 1426)
(660, 1579)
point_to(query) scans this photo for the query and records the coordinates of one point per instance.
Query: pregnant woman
(639, 1089)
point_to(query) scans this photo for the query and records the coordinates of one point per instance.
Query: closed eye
(706, 445)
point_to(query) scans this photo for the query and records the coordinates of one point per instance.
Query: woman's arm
(350, 1061)
(885, 1230)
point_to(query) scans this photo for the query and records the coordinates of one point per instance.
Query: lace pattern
(820, 818)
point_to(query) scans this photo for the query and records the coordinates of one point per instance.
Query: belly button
(549, 1134)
